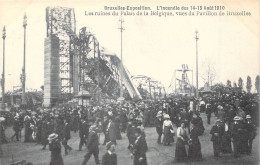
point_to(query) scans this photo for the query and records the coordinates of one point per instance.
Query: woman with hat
(194, 153)
(182, 139)
(55, 148)
(167, 130)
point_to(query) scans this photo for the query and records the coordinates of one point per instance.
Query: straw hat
(248, 117)
(52, 136)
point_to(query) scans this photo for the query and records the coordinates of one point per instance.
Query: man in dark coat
(208, 112)
(16, 128)
(111, 129)
(251, 132)
(217, 132)
(139, 149)
(66, 137)
(159, 125)
(104, 129)
(83, 133)
(123, 120)
(55, 148)
(92, 145)
(236, 132)
(110, 157)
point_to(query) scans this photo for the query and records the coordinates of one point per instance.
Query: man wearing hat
(55, 148)
(159, 125)
(66, 137)
(16, 128)
(92, 145)
(217, 132)
(139, 149)
(110, 157)
(251, 132)
(236, 132)
(83, 133)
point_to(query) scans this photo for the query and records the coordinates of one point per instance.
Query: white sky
(152, 46)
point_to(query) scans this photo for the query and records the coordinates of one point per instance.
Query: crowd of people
(236, 123)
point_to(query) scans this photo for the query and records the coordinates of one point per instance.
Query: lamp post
(121, 31)
(3, 75)
(23, 70)
(197, 78)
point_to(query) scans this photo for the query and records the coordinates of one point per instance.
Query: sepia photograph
(139, 82)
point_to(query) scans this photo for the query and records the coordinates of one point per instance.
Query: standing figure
(111, 129)
(55, 148)
(123, 120)
(104, 129)
(182, 140)
(139, 149)
(83, 133)
(110, 157)
(236, 129)
(130, 133)
(251, 129)
(159, 125)
(194, 153)
(92, 145)
(117, 127)
(16, 128)
(226, 138)
(217, 132)
(3, 139)
(208, 112)
(66, 137)
(167, 130)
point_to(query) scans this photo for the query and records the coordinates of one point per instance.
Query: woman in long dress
(167, 130)
(182, 139)
(194, 153)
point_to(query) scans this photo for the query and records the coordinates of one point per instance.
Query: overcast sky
(152, 46)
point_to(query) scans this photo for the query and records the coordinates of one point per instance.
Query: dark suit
(83, 134)
(109, 159)
(251, 129)
(139, 151)
(216, 139)
(66, 137)
(92, 146)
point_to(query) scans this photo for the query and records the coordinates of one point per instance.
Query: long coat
(194, 146)
(92, 142)
(112, 132)
(55, 149)
(140, 151)
(108, 159)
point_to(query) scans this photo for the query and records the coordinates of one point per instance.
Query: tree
(235, 85)
(240, 84)
(209, 73)
(228, 83)
(248, 84)
(257, 84)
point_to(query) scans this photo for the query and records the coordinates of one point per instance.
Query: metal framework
(154, 87)
(83, 64)
(184, 86)
(62, 23)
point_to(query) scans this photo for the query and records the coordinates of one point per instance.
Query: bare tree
(208, 73)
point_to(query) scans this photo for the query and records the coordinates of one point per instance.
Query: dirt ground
(156, 155)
